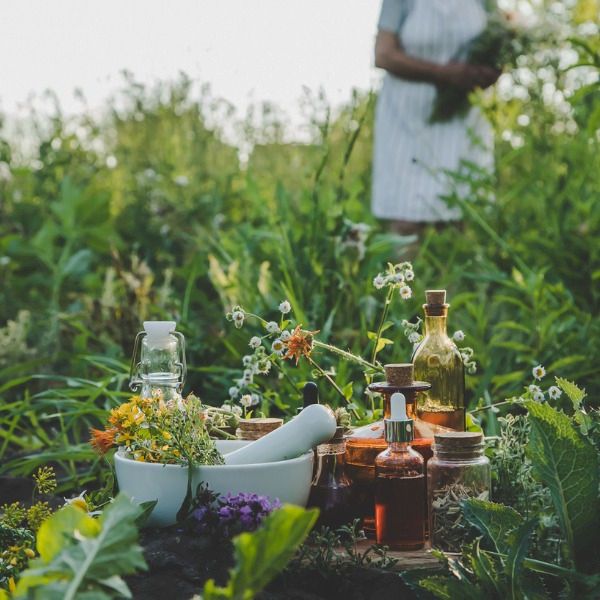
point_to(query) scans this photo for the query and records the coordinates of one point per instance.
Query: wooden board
(411, 559)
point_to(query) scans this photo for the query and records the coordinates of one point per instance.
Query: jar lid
(458, 439)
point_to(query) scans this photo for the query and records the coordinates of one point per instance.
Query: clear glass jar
(161, 367)
(458, 470)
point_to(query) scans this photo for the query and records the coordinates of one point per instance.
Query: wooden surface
(412, 559)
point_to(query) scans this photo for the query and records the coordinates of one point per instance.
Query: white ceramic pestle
(313, 426)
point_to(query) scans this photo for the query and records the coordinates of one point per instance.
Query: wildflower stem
(336, 387)
(333, 383)
(289, 379)
(349, 356)
(384, 314)
(491, 406)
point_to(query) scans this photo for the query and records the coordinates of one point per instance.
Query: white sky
(248, 50)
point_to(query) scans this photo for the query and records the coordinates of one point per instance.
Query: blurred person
(421, 44)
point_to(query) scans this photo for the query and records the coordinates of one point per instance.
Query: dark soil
(180, 562)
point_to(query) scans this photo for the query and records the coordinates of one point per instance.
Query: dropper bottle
(399, 484)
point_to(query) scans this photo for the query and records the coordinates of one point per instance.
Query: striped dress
(411, 156)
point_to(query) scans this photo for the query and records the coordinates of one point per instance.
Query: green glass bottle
(438, 361)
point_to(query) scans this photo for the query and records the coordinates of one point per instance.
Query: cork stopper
(435, 297)
(400, 375)
(458, 439)
(255, 428)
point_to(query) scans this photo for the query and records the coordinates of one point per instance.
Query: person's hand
(467, 77)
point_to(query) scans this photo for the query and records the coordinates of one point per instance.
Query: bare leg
(406, 228)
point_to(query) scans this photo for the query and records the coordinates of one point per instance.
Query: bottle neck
(436, 325)
(399, 447)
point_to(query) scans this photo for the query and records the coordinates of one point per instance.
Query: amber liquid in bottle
(399, 516)
(400, 498)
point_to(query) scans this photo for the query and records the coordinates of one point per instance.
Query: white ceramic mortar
(287, 480)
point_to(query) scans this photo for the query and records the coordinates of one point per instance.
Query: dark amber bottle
(331, 490)
(438, 361)
(399, 484)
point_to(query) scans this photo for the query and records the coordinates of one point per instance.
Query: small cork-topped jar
(458, 470)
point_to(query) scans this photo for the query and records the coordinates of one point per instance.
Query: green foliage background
(147, 212)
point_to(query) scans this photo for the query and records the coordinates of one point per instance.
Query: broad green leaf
(54, 534)
(569, 465)
(518, 541)
(85, 566)
(262, 554)
(495, 521)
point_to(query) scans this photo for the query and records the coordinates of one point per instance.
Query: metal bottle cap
(398, 428)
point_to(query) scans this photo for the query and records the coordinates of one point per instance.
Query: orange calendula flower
(102, 441)
(300, 343)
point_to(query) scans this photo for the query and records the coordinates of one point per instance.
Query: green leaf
(569, 465)
(78, 560)
(53, 534)
(495, 521)
(260, 555)
(518, 541)
(348, 390)
(485, 570)
(382, 343)
(450, 589)
(576, 395)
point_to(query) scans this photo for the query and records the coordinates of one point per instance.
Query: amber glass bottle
(399, 485)
(364, 444)
(438, 361)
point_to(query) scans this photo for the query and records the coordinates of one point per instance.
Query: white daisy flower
(538, 372)
(285, 307)
(278, 345)
(554, 392)
(414, 337)
(246, 360)
(534, 388)
(399, 277)
(264, 367)
(459, 336)
(405, 292)
(255, 399)
(254, 342)
(538, 397)
(379, 282)
(246, 400)
(272, 327)
(236, 410)
(233, 392)
(238, 317)
(285, 335)
(409, 275)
